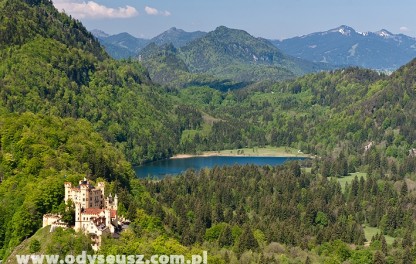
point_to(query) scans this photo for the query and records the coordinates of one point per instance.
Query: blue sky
(274, 19)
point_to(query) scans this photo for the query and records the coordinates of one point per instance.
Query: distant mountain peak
(177, 37)
(344, 30)
(226, 31)
(381, 50)
(345, 27)
(222, 28)
(384, 33)
(175, 29)
(99, 33)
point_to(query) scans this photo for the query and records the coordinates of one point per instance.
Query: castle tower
(84, 197)
(107, 215)
(68, 187)
(78, 222)
(101, 186)
(115, 203)
(108, 201)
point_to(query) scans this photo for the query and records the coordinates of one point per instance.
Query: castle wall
(49, 219)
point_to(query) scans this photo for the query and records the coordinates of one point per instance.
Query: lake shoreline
(229, 153)
(257, 156)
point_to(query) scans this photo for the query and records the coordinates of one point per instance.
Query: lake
(162, 168)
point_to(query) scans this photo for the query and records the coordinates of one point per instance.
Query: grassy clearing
(372, 231)
(307, 170)
(348, 179)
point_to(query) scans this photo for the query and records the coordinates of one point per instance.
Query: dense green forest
(38, 154)
(68, 111)
(249, 208)
(58, 74)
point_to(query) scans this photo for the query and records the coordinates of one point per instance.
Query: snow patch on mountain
(353, 50)
(344, 31)
(365, 34)
(384, 33)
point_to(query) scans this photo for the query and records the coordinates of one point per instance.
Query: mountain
(124, 45)
(381, 50)
(177, 37)
(236, 55)
(99, 34)
(121, 46)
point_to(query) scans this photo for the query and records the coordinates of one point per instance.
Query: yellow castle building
(95, 215)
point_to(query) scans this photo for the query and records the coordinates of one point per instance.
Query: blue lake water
(160, 169)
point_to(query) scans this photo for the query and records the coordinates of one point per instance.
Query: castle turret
(68, 187)
(101, 186)
(115, 203)
(107, 215)
(78, 222)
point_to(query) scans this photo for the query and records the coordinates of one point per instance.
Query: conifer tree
(379, 258)
(383, 245)
(226, 237)
(247, 240)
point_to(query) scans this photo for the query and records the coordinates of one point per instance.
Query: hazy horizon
(324, 30)
(278, 19)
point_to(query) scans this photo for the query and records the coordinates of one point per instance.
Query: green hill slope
(233, 55)
(43, 242)
(37, 155)
(52, 65)
(22, 21)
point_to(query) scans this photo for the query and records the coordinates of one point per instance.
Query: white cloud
(404, 29)
(82, 9)
(154, 12)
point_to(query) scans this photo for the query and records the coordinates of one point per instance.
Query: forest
(69, 111)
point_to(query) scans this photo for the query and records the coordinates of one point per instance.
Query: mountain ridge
(342, 46)
(124, 45)
(380, 50)
(235, 55)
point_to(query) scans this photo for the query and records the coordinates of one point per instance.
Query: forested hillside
(25, 20)
(345, 109)
(67, 74)
(38, 154)
(226, 54)
(246, 214)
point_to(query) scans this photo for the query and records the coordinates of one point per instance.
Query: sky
(272, 19)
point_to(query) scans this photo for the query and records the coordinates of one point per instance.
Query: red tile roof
(93, 211)
(97, 211)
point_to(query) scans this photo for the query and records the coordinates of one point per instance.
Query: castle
(94, 214)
